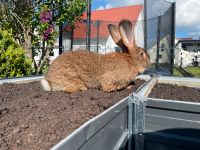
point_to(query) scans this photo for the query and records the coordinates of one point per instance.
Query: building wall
(107, 45)
(139, 37)
(164, 51)
(184, 58)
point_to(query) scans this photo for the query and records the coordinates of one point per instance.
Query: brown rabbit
(81, 70)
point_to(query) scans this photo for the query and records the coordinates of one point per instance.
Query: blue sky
(97, 3)
(187, 14)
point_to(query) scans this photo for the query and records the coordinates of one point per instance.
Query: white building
(187, 52)
(99, 30)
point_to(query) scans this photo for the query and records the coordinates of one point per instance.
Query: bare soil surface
(32, 119)
(174, 92)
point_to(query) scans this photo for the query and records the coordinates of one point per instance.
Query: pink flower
(45, 16)
(48, 32)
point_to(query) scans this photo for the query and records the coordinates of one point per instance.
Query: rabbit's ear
(127, 33)
(116, 36)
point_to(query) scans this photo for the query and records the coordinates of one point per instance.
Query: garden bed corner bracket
(139, 108)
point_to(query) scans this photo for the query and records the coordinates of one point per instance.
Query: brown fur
(81, 69)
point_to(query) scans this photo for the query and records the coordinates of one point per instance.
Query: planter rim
(189, 82)
(180, 81)
(173, 101)
(18, 80)
(117, 108)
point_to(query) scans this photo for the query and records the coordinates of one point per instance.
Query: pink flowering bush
(48, 16)
(45, 16)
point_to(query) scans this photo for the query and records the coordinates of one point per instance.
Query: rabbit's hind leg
(74, 86)
(113, 81)
(108, 87)
(114, 85)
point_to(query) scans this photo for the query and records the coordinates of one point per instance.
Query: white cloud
(187, 13)
(100, 8)
(187, 17)
(119, 3)
(194, 34)
(107, 6)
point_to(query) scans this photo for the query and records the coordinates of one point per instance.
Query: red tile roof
(116, 14)
(107, 16)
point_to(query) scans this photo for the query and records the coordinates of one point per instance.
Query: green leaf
(12, 58)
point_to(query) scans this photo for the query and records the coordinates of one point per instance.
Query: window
(162, 47)
(185, 46)
(191, 47)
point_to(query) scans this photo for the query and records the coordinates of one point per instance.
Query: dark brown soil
(174, 92)
(32, 119)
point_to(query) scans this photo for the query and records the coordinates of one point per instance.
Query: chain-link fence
(159, 17)
(154, 31)
(100, 40)
(179, 57)
(187, 58)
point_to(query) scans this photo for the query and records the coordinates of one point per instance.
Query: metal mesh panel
(155, 8)
(100, 39)
(159, 35)
(155, 34)
(100, 36)
(187, 58)
(79, 36)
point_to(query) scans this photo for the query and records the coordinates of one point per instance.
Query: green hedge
(13, 59)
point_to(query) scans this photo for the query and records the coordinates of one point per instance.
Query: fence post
(145, 25)
(88, 25)
(138, 122)
(72, 37)
(130, 122)
(158, 42)
(98, 23)
(173, 36)
(60, 40)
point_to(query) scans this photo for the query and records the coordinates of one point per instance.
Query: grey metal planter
(21, 79)
(106, 131)
(139, 123)
(111, 130)
(170, 124)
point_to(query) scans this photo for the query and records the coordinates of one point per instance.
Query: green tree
(35, 23)
(48, 16)
(17, 15)
(13, 59)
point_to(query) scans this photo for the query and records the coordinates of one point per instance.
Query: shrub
(13, 59)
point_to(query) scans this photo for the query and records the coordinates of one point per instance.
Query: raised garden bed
(33, 119)
(136, 122)
(175, 92)
(172, 118)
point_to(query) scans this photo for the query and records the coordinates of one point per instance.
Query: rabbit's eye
(142, 54)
